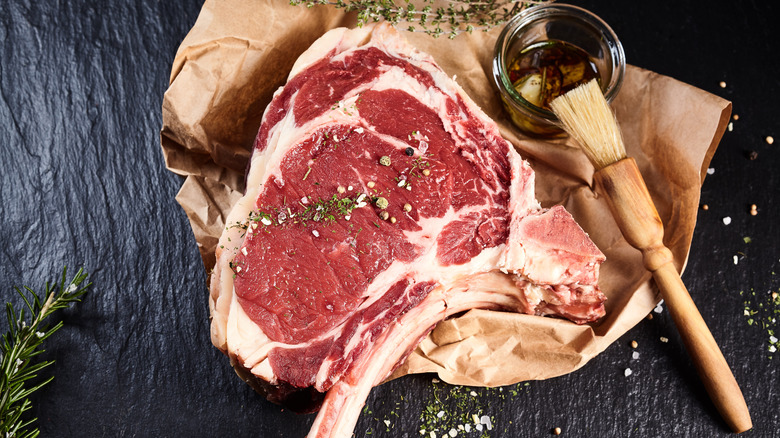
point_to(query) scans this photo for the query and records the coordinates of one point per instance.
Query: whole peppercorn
(381, 203)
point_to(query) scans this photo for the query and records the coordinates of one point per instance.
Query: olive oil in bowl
(546, 50)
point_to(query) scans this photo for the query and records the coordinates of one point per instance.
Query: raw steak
(380, 200)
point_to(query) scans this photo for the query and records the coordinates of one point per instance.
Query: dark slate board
(83, 183)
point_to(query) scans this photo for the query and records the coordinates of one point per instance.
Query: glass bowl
(555, 22)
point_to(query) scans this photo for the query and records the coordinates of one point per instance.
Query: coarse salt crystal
(731, 126)
(746, 312)
(658, 308)
(433, 434)
(453, 432)
(773, 339)
(387, 423)
(359, 130)
(304, 200)
(401, 183)
(635, 355)
(316, 233)
(772, 349)
(243, 250)
(627, 372)
(265, 221)
(346, 218)
(736, 260)
(473, 394)
(349, 188)
(480, 427)
(710, 170)
(486, 421)
(726, 220)
(440, 414)
(467, 428)
(39, 334)
(664, 339)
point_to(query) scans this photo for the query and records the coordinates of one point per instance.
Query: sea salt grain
(628, 372)
(664, 339)
(635, 355)
(710, 170)
(726, 220)
(736, 260)
(773, 339)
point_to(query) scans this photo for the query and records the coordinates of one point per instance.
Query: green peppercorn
(381, 203)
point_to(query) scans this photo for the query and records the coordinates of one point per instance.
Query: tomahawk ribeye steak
(380, 200)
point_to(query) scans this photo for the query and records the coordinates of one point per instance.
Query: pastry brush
(586, 116)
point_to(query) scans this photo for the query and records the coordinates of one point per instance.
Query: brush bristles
(586, 116)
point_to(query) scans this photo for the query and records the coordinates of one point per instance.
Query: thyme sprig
(430, 17)
(20, 346)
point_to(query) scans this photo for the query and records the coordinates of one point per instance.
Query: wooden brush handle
(638, 219)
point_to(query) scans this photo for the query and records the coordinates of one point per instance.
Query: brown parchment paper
(240, 51)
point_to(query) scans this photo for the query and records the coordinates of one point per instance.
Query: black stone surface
(83, 182)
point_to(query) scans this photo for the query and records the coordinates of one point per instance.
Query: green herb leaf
(22, 343)
(453, 18)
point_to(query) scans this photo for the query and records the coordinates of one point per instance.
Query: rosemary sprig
(430, 17)
(20, 345)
